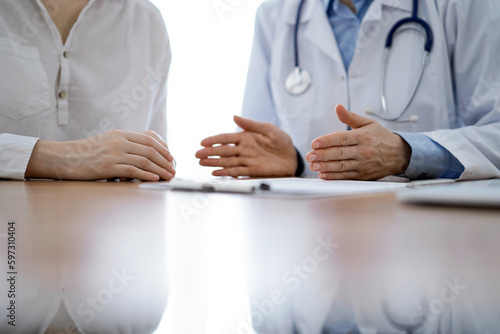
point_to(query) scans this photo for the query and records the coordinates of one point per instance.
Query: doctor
(441, 119)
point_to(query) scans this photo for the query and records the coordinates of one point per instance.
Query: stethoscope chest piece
(298, 82)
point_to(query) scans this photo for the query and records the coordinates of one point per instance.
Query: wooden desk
(127, 260)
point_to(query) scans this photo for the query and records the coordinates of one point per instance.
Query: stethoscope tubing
(296, 34)
(300, 74)
(397, 28)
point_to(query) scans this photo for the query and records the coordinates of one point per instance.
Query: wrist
(299, 166)
(405, 153)
(45, 161)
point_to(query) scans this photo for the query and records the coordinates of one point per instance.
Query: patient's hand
(261, 149)
(114, 154)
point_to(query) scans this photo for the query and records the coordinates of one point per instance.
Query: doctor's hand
(114, 154)
(261, 149)
(367, 152)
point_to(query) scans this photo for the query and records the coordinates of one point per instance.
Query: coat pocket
(24, 87)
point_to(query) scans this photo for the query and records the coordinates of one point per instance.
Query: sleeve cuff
(15, 154)
(300, 164)
(429, 159)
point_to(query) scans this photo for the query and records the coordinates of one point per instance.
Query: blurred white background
(211, 42)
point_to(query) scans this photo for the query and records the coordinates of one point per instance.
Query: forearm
(476, 147)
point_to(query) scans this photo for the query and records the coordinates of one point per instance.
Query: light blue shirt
(428, 158)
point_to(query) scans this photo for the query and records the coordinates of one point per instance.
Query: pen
(211, 187)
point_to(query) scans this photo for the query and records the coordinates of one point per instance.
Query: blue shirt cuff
(429, 159)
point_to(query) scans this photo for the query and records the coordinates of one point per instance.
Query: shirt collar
(336, 4)
(405, 5)
(327, 2)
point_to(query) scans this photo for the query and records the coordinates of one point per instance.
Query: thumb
(250, 125)
(351, 119)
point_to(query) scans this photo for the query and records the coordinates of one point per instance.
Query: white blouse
(110, 74)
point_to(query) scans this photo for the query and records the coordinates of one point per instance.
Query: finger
(253, 126)
(222, 139)
(350, 175)
(160, 140)
(146, 146)
(218, 151)
(145, 164)
(233, 171)
(335, 166)
(344, 138)
(222, 162)
(351, 119)
(149, 141)
(152, 155)
(157, 137)
(333, 154)
(132, 172)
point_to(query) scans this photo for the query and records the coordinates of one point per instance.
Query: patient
(83, 90)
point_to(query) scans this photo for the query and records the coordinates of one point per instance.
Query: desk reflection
(104, 257)
(365, 266)
(90, 260)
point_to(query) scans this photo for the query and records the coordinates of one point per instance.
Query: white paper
(318, 187)
(302, 187)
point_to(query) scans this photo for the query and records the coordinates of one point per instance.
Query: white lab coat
(458, 102)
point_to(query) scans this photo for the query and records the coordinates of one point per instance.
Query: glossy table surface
(109, 257)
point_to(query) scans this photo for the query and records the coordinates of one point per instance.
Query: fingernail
(316, 167)
(313, 157)
(170, 176)
(317, 145)
(156, 178)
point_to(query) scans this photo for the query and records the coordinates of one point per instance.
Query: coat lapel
(376, 8)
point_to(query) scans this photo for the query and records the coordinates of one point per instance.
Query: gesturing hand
(261, 149)
(367, 152)
(114, 154)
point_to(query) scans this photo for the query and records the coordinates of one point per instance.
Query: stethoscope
(299, 81)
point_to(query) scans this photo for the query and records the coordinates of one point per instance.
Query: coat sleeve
(258, 102)
(471, 29)
(15, 153)
(159, 70)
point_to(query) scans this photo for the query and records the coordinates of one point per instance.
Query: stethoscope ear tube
(429, 41)
(386, 116)
(429, 37)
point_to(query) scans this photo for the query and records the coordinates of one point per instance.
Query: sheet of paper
(318, 187)
(485, 193)
(302, 187)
